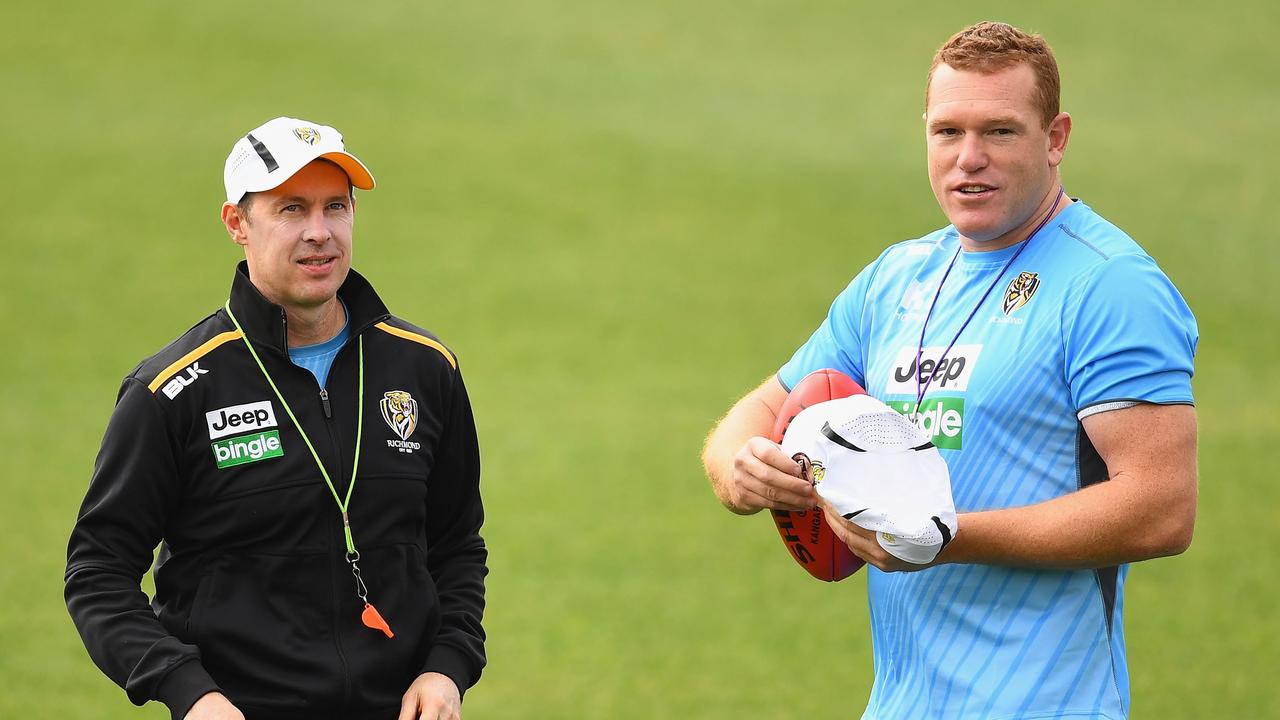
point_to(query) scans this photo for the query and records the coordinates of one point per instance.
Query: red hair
(990, 47)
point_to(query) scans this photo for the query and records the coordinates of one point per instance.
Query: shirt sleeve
(1128, 336)
(457, 556)
(838, 343)
(121, 521)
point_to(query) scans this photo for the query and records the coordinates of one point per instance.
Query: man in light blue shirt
(1050, 360)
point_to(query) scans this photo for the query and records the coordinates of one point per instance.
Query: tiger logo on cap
(400, 411)
(1020, 291)
(307, 135)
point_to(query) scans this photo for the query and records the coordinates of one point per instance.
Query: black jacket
(254, 596)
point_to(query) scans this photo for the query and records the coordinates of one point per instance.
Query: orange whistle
(373, 619)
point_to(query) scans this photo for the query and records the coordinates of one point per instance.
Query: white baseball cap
(880, 472)
(272, 152)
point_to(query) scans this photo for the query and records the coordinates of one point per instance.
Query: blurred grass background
(621, 216)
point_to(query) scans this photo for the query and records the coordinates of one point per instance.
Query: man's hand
(748, 472)
(431, 697)
(213, 706)
(863, 544)
(764, 477)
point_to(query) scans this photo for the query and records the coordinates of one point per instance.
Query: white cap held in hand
(879, 471)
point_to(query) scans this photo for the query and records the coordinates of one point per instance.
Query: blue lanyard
(922, 389)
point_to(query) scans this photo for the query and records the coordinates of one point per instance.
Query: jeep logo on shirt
(239, 419)
(951, 374)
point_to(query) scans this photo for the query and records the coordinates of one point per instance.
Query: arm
(456, 554)
(747, 471)
(132, 492)
(1146, 509)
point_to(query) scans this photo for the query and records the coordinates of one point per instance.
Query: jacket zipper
(338, 620)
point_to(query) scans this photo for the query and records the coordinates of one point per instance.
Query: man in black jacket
(309, 462)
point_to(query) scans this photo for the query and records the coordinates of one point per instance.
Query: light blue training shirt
(1083, 321)
(318, 358)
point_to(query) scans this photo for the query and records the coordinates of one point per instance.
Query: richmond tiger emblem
(400, 411)
(1020, 291)
(307, 135)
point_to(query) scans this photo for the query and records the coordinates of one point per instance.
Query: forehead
(964, 93)
(317, 178)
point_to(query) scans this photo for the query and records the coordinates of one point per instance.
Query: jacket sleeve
(133, 489)
(456, 554)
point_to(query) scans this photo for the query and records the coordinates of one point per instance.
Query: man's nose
(316, 229)
(973, 154)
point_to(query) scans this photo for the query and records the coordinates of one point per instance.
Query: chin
(981, 229)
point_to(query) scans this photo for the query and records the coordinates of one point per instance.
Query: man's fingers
(408, 708)
(861, 542)
(771, 454)
(772, 488)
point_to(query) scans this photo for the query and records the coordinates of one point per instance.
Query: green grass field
(603, 207)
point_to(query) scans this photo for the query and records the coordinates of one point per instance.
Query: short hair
(246, 200)
(990, 47)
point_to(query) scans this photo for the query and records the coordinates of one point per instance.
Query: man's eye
(337, 206)
(291, 208)
(948, 132)
(1003, 131)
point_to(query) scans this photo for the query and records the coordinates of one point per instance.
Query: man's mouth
(973, 189)
(316, 262)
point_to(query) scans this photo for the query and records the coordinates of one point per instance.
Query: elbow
(1173, 534)
(1176, 541)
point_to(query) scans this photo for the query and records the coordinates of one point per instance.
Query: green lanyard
(370, 616)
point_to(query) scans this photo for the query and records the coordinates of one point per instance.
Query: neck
(308, 326)
(1050, 205)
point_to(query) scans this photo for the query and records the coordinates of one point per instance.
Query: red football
(806, 534)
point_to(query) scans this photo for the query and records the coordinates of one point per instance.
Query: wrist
(962, 548)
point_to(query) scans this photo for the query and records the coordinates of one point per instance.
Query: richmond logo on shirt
(1020, 291)
(400, 411)
(941, 416)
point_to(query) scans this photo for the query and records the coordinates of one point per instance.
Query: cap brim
(356, 171)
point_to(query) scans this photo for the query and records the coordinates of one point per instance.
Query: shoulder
(164, 372)
(912, 252)
(1093, 241)
(413, 339)
(903, 260)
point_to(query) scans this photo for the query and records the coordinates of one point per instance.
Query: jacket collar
(265, 322)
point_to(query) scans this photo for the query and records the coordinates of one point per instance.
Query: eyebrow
(990, 122)
(290, 199)
(1006, 120)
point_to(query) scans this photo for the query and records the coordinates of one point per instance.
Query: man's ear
(1059, 133)
(235, 221)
